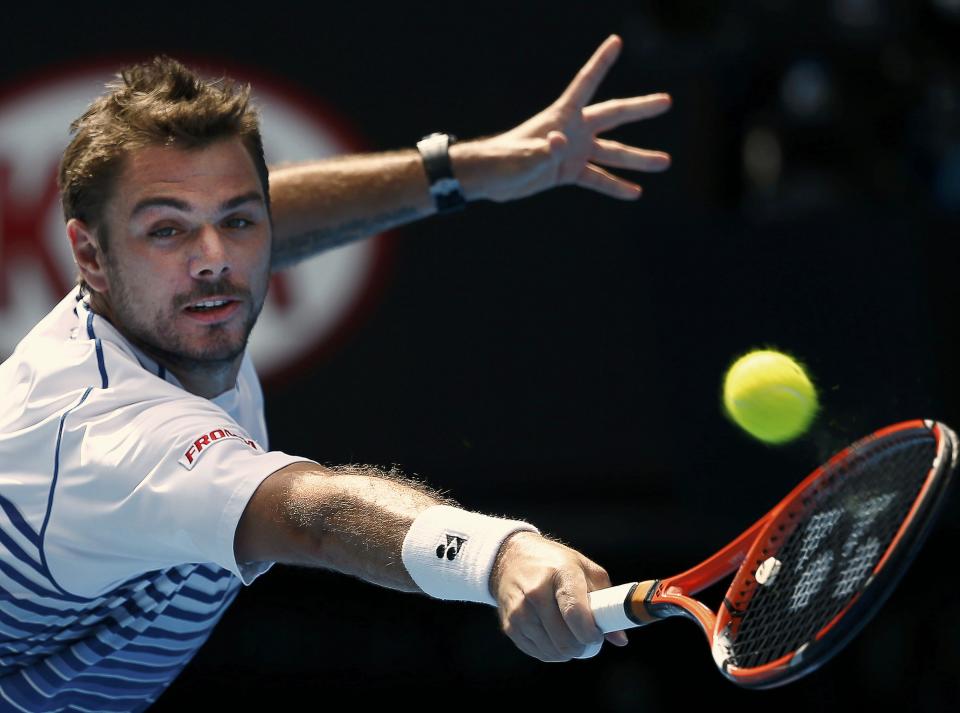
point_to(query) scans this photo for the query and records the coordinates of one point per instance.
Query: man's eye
(167, 232)
(238, 223)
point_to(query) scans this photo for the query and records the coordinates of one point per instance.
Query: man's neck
(206, 382)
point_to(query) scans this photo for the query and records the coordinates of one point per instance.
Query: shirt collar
(93, 325)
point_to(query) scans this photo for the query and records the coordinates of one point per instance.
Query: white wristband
(449, 552)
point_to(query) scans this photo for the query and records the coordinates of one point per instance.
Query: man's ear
(87, 254)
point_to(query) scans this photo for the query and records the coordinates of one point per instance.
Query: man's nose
(210, 257)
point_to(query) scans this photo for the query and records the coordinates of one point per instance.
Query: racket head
(831, 552)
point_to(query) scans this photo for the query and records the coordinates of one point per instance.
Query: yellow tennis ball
(769, 396)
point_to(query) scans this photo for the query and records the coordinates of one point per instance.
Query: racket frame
(671, 596)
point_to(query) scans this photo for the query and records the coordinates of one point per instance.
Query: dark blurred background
(560, 358)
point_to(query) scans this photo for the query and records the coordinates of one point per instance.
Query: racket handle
(610, 607)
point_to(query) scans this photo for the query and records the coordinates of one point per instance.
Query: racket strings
(832, 538)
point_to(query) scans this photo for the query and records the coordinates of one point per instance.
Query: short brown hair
(160, 102)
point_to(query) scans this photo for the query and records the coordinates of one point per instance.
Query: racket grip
(624, 606)
(610, 607)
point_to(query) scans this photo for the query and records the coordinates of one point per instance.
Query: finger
(617, 155)
(615, 112)
(585, 84)
(549, 604)
(526, 629)
(596, 179)
(598, 578)
(525, 644)
(572, 610)
(591, 651)
(566, 644)
(617, 638)
(545, 647)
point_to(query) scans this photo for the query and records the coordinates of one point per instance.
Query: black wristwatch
(444, 187)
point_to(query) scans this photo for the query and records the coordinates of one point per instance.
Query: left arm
(322, 204)
(319, 205)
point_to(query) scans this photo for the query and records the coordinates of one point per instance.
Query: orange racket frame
(658, 599)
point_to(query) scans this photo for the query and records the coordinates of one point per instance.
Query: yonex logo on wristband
(450, 552)
(449, 546)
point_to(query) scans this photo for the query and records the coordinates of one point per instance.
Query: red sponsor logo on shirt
(203, 443)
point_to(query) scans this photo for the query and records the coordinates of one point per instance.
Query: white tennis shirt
(120, 494)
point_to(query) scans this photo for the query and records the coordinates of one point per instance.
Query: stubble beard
(159, 337)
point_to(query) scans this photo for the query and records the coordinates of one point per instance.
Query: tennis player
(138, 490)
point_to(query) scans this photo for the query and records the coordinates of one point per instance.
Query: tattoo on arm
(289, 251)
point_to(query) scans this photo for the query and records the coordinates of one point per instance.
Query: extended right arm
(352, 520)
(355, 519)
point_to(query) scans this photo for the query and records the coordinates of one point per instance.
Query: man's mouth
(207, 305)
(213, 310)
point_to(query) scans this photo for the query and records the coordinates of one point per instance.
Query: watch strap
(444, 187)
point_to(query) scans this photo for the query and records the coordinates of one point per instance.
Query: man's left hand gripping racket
(815, 568)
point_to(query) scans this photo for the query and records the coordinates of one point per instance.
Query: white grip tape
(608, 608)
(449, 552)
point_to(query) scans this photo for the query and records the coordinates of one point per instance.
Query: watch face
(434, 143)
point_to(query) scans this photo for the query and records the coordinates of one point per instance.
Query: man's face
(188, 259)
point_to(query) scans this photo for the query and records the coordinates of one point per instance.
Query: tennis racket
(812, 571)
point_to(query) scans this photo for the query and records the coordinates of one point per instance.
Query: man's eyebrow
(240, 200)
(148, 203)
(161, 201)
